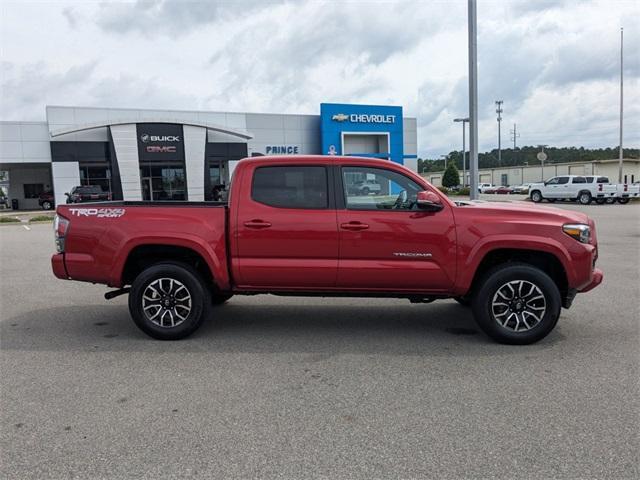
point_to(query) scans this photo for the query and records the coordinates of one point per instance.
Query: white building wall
(66, 175)
(195, 139)
(125, 143)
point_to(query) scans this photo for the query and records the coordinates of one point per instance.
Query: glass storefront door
(165, 182)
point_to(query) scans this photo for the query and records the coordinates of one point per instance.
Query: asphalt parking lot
(316, 388)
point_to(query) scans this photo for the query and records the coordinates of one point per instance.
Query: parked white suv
(572, 187)
(484, 186)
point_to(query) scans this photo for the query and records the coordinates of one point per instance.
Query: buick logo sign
(145, 138)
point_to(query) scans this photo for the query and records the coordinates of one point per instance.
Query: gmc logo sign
(158, 149)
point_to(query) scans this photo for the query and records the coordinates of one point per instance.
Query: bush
(41, 218)
(451, 177)
(444, 190)
(464, 191)
(9, 220)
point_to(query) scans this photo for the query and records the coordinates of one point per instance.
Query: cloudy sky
(554, 63)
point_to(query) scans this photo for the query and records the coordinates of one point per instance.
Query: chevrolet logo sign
(340, 117)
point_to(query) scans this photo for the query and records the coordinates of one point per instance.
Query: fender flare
(216, 265)
(470, 263)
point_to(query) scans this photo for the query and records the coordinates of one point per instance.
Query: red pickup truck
(296, 226)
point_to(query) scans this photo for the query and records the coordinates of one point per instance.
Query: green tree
(451, 177)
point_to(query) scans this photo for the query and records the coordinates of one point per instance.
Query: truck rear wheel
(169, 301)
(517, 304)
(584, 198)
(623, 200)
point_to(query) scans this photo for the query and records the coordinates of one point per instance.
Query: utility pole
(473, 97)
(464, 148)
(620, 152)
(499, 112)
(445, 160)
(514, 136)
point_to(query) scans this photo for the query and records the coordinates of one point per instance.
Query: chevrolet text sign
(364, 118)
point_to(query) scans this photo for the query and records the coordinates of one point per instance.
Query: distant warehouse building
(510, 176)
(183, 155)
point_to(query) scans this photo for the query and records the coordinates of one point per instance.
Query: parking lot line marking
(26, 228)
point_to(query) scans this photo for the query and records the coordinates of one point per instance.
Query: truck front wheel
(169, 301)
(517, 304)
(536, 196)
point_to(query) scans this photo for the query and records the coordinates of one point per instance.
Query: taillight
(625, 187)
(60, 228)
(599, 187)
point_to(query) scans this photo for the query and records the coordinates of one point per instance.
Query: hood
(524, 210)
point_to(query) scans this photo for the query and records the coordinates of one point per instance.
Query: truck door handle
(256, 223)
(354, 226)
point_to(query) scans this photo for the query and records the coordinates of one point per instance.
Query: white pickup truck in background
(627, 191)
(624, 191)
(583, 189)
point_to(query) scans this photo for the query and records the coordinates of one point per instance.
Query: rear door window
(291, 187)
(579, 180)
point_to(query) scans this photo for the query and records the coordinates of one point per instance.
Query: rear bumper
(57, 265)
(596, 280)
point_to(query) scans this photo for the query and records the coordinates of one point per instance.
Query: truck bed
(101, 236)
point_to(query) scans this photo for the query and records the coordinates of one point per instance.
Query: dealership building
(182, 155)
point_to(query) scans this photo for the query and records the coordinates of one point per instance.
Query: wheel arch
(546, 261)
(141, 256)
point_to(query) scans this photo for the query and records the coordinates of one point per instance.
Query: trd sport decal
(98, 212)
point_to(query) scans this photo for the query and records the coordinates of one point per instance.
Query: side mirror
(429, 201)
(66, 193)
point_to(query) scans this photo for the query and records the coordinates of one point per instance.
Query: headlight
(580, 232)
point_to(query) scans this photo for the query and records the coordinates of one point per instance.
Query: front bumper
(596, 280)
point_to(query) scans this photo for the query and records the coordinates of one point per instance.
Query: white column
(125, 143)
(195, 140)
(66, 175)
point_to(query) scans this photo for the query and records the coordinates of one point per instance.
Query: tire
(623, 201)
(46, 205)
(584, 198)
(540, 322)
(169, 281)
(464, 301)
(365, 191)
(600, 201)
(610, 200)
(219, 299)
(536, 196)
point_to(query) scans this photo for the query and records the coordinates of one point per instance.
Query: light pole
(464, 148)
(445, 160)
(620, 151)
(499, 112)
(473, 98)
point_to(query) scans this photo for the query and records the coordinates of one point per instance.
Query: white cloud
(554, 63)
